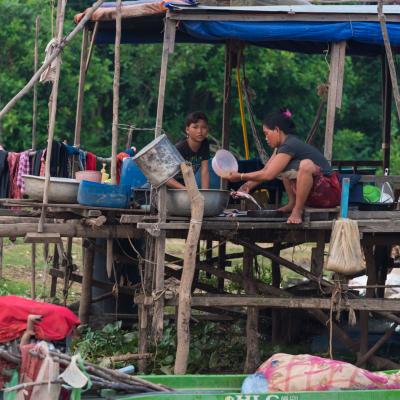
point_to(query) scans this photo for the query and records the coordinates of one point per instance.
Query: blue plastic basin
(103, 195)
(131, 174)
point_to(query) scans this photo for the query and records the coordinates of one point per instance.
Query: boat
(227, 387)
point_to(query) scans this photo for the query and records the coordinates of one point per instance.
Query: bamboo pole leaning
(189, 267)
(57, 51)
(389, 55)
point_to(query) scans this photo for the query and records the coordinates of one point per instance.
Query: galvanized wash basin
(215, 201)
(61, 190)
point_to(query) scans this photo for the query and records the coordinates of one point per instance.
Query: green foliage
(347, 143)
(195, 81)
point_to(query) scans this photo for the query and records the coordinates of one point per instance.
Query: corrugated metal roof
(294, 9)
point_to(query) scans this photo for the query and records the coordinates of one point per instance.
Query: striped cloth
(303, 372)
(23, 169)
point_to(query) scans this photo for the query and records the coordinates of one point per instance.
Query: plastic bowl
(103, 195)
(224, 162)
(92, 176)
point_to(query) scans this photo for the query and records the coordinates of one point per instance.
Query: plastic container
(92, 176)
(224, 162)
(159, 161)
(131, 174)
(103, 195)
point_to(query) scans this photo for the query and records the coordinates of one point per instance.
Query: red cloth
(13, 165)
(120, 158)
(57, 322)
(325, 192)
(90, 161)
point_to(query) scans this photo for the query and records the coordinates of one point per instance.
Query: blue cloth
(364, 32)
(71, 150)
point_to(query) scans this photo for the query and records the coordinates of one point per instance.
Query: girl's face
(197, 131)
(272, 136)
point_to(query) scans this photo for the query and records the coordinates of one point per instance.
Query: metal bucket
(159, 161)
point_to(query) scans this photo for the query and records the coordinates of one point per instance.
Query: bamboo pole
(117, 73)
(389, 55)
(53, 101)
(1, 257)
(189, 266)
(158, 315)
(33, 271)
(35, 66)
(81, 86)
(57, 51)
(92, 39)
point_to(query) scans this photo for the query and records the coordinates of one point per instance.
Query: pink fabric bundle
(303, 372)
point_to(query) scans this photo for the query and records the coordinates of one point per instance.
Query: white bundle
(345, 254)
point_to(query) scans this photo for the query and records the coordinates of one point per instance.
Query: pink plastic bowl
(92, 176)
(224, 162)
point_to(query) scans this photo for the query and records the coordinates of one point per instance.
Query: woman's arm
(205, 175)
(271, 170)
(174, 184)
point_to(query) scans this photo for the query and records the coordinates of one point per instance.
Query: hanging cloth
(23, 169)
(48, 74)
(4, 175)
(13, 164)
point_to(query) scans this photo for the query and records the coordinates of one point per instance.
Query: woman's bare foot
(295, 217)
(286, 209)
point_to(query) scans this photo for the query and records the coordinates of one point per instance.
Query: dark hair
(281, 119)
(194, 117)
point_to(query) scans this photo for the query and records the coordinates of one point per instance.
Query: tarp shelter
(302, 28)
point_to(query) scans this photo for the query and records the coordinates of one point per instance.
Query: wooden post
(221, 264)
(33, 271)
(53, 111)
(117, 71)
(252, 342)
(57, 51)
(276, 282)
(334, 94)
(110, 258)
(386, 113)
(35, 66)
(129, 138)
(209, 245)
(226, 103)
(81, 87)
(56, 265)
(86, 290)
(389, 55)
(92, 39)
(158, 316)
(189, 266)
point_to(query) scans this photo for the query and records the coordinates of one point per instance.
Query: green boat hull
(227, 387)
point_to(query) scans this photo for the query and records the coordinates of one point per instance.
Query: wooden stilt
(158, 316)
(364, 315)
(276, 282)
(56, 265)
(86, 290)
(221, 264)
(144, 310)
(334, 94)
(252, 342)
(189, 266)
(209, 245)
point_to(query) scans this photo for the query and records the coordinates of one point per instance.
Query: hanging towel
(49, 73)
(90, 161)
(4, 175)
(23, 169)
(13, 164)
